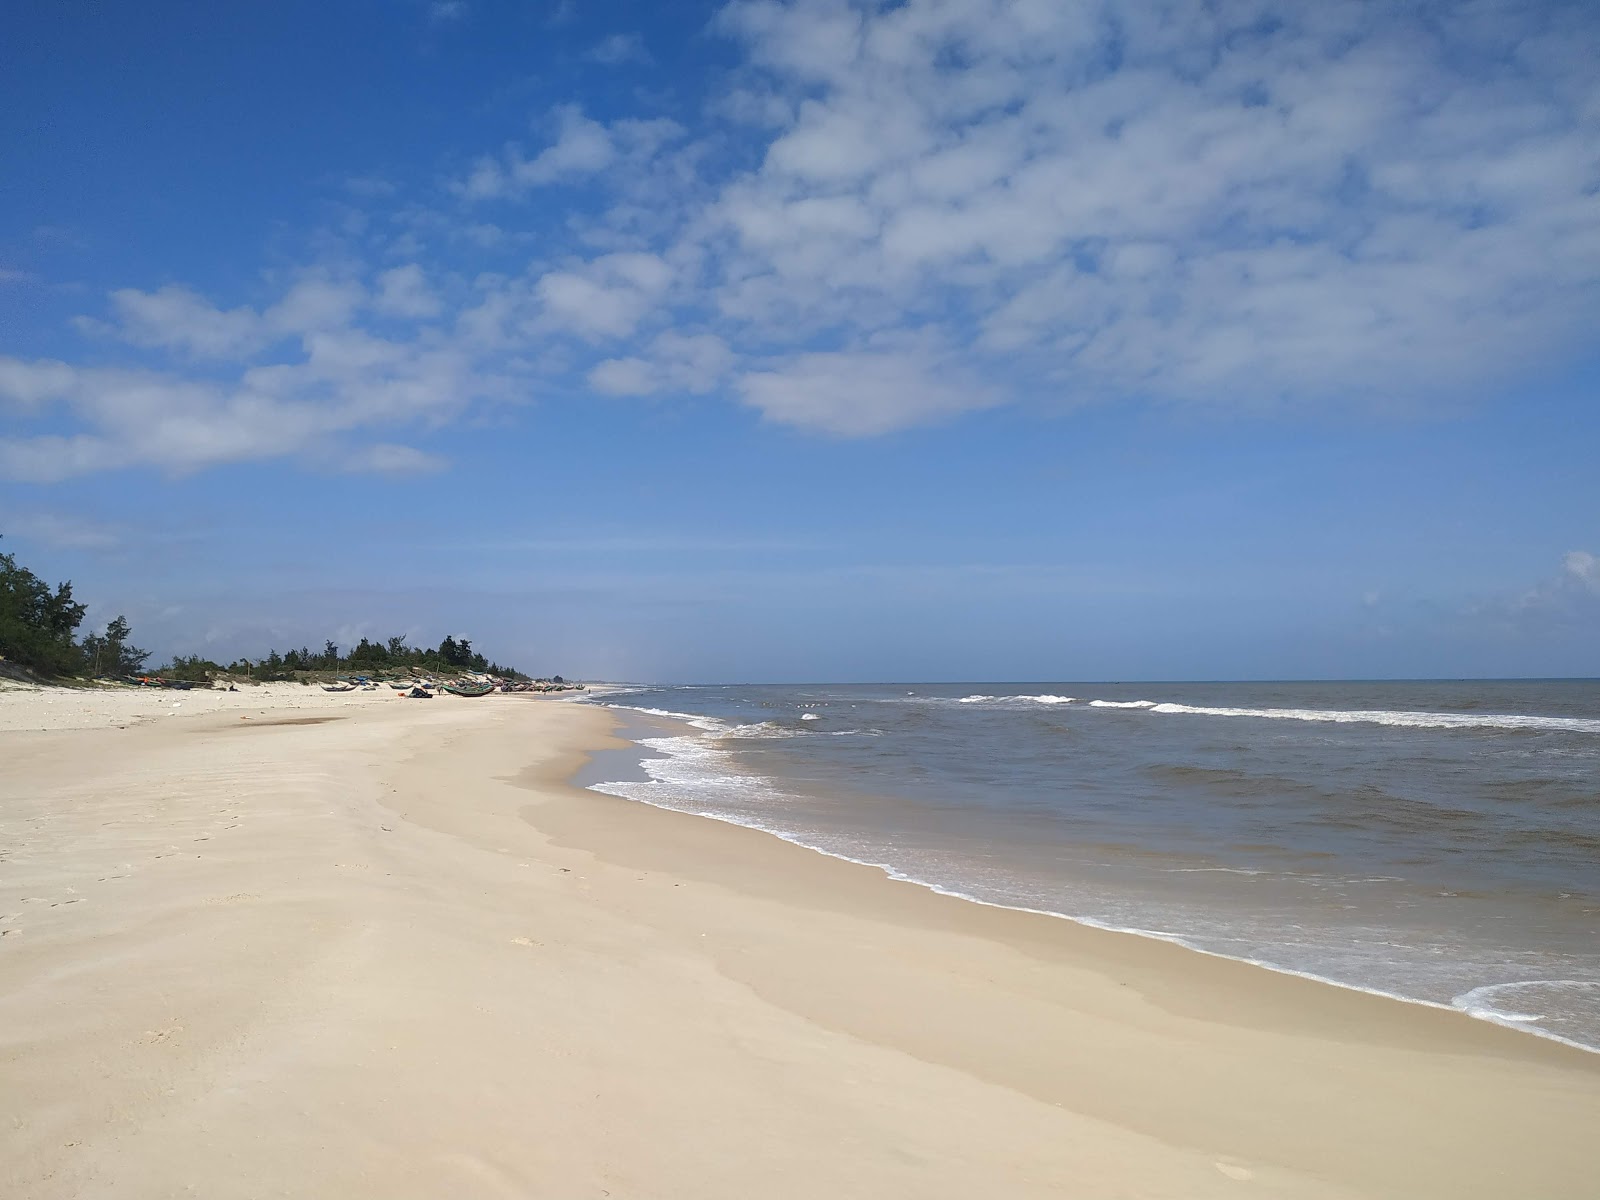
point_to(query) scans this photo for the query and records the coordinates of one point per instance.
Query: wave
(1501, 1002)
(765, 729)
(1123, 704)
(708, 724)
(1041, 699)
(696, 778)
(1399, 718)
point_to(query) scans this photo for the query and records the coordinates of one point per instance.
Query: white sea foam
(1122, 704)
(1400, 718)
(1016, 700)
(695, 776)
(709, 724)
(1502, 1002)
(764, 729)
(809, 717)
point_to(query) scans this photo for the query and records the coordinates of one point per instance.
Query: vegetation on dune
(39, 626)
(370, 658)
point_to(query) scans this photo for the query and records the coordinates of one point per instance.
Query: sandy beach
(285, 943)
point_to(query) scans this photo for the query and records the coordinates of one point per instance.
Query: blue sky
(969, 339)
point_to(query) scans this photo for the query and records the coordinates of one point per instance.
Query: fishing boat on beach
(469, 689)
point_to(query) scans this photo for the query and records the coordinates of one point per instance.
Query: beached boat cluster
(421, 686)
(418, 685)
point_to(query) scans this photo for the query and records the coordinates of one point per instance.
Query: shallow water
(1438, 841)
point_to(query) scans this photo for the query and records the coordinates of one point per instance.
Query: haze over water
(1438, 841)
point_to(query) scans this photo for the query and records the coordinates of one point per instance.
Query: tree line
(372, 658)
(39, 630)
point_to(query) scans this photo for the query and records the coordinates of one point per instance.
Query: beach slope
(324, 946)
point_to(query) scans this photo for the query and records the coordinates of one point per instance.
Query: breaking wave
(1399, 718)
(998, 700)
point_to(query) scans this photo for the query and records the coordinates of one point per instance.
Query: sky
(818, 341)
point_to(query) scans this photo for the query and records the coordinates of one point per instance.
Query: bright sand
(372, 947)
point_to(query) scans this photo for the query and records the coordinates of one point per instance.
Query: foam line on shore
(1470, 1003)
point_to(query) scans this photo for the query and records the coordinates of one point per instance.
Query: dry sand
(367, 947)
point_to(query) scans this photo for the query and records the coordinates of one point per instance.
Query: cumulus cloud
(178, 318)
(1309, 203)
(605, 298)
(404, 292)
(861, 393)
(258, 397)
(583, 148)
(673, 362)
(884, 216)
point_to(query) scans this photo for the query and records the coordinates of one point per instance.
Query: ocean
(1434, 841)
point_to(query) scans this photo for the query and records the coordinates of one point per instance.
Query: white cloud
(175, 317)
(338, 382)
(891, 215)
(1570, 598)
(1334, 203)
(60, 529)
(404, 292)
(619, 48)
(583, 148)
(30, 384)
(674, 362)
(605, 298)
(315, 303)
(1584, 568)
(388, 458)
(861, 393)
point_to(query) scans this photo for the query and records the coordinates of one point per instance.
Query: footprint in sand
(1242, 1174)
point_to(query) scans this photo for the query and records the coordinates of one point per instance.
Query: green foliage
(368, 657)
(36, 622)
(192, 668)
(38, 625)
(110, 654)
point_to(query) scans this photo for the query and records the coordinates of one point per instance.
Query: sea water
(1436, 841)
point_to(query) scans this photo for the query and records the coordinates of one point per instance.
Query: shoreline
(398, 952)
(679, 724)
(888, 875)
(893, 875)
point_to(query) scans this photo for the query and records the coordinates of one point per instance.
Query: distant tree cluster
(373, 658)
(39, 626)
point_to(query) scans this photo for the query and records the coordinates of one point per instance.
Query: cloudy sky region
(944, 339)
